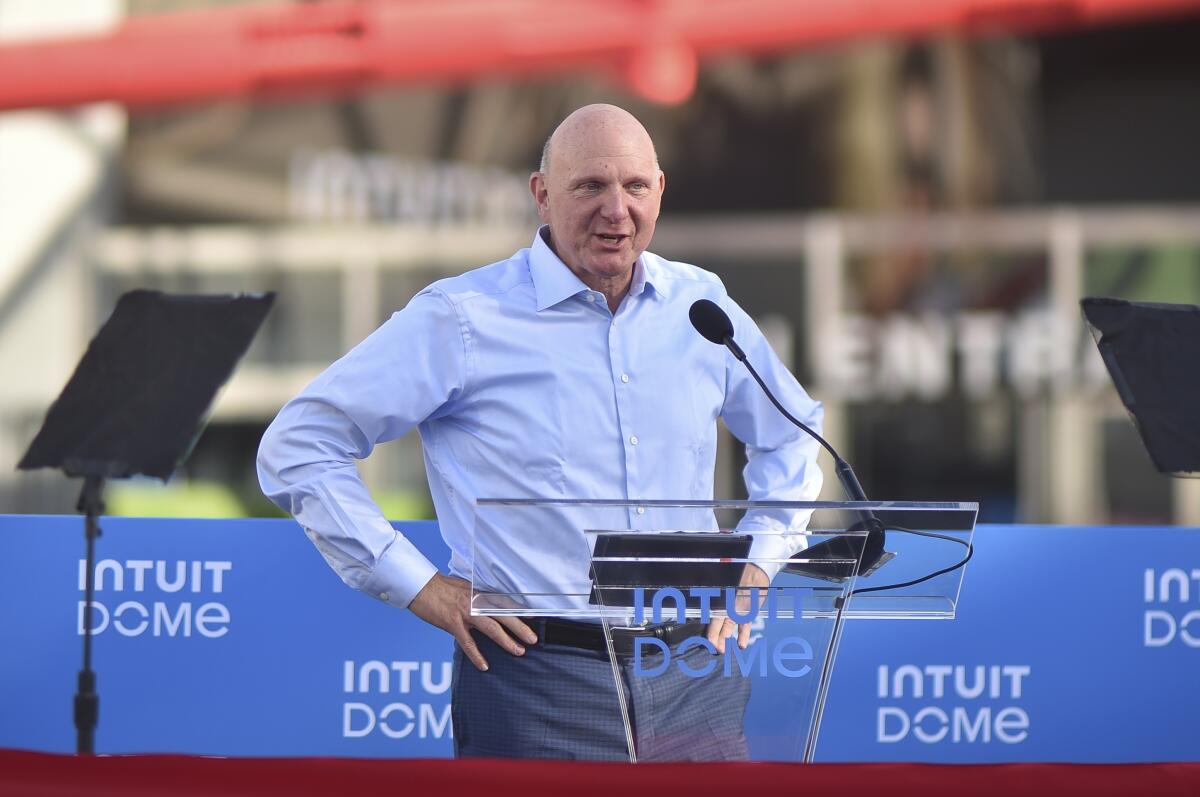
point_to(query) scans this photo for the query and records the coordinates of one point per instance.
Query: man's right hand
(446, 603)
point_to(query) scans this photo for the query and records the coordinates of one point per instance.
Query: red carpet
(37, 774)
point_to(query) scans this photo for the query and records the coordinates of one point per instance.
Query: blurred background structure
(910, 197)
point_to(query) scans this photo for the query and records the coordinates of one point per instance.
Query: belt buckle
(623, 637)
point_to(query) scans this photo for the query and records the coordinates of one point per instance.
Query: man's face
(600, 196)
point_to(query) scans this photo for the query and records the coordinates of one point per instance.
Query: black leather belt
(590, 636)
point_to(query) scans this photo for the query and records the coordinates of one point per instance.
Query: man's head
(599, 190)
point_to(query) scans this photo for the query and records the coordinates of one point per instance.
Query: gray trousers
(561, 702)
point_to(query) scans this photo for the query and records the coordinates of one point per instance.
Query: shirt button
(633, 440)
(591, 297)
(383, 596)
(641, 510)
(624, 377)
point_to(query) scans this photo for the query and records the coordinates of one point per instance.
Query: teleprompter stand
(134, 406)
(654, 574)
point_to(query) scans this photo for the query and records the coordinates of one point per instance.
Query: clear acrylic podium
(791, 570)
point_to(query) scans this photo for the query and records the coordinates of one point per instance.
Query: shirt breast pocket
(682, 411)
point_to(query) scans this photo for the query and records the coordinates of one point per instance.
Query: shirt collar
(553, 281)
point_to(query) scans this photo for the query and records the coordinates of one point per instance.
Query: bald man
(569, 370)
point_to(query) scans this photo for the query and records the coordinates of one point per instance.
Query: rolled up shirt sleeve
(781, 459)
(415, 366)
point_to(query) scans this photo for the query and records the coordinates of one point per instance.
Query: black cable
(970, 552)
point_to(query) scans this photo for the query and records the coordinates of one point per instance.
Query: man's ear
(541, 195)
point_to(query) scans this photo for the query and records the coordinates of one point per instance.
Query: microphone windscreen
(711, 321)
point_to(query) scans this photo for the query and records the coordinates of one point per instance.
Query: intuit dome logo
(790, 656)
(952, 703)
(423, 711)
(143, 597)
(1175, 620)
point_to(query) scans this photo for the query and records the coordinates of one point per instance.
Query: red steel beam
(652, 46)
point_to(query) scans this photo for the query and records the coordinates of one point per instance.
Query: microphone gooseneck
(714, 325)
(712, 322)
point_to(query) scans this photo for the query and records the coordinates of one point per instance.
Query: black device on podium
(1152, 352)
(134, 406)
(681, 560)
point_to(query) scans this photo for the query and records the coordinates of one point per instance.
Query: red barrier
(25, 773)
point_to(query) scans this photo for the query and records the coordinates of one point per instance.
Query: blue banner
(234, 638)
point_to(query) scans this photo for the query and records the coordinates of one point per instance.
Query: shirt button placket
(625, 416)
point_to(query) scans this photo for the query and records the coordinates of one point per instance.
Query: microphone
(714, 325)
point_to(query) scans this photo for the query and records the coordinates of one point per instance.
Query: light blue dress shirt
(523, 384)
